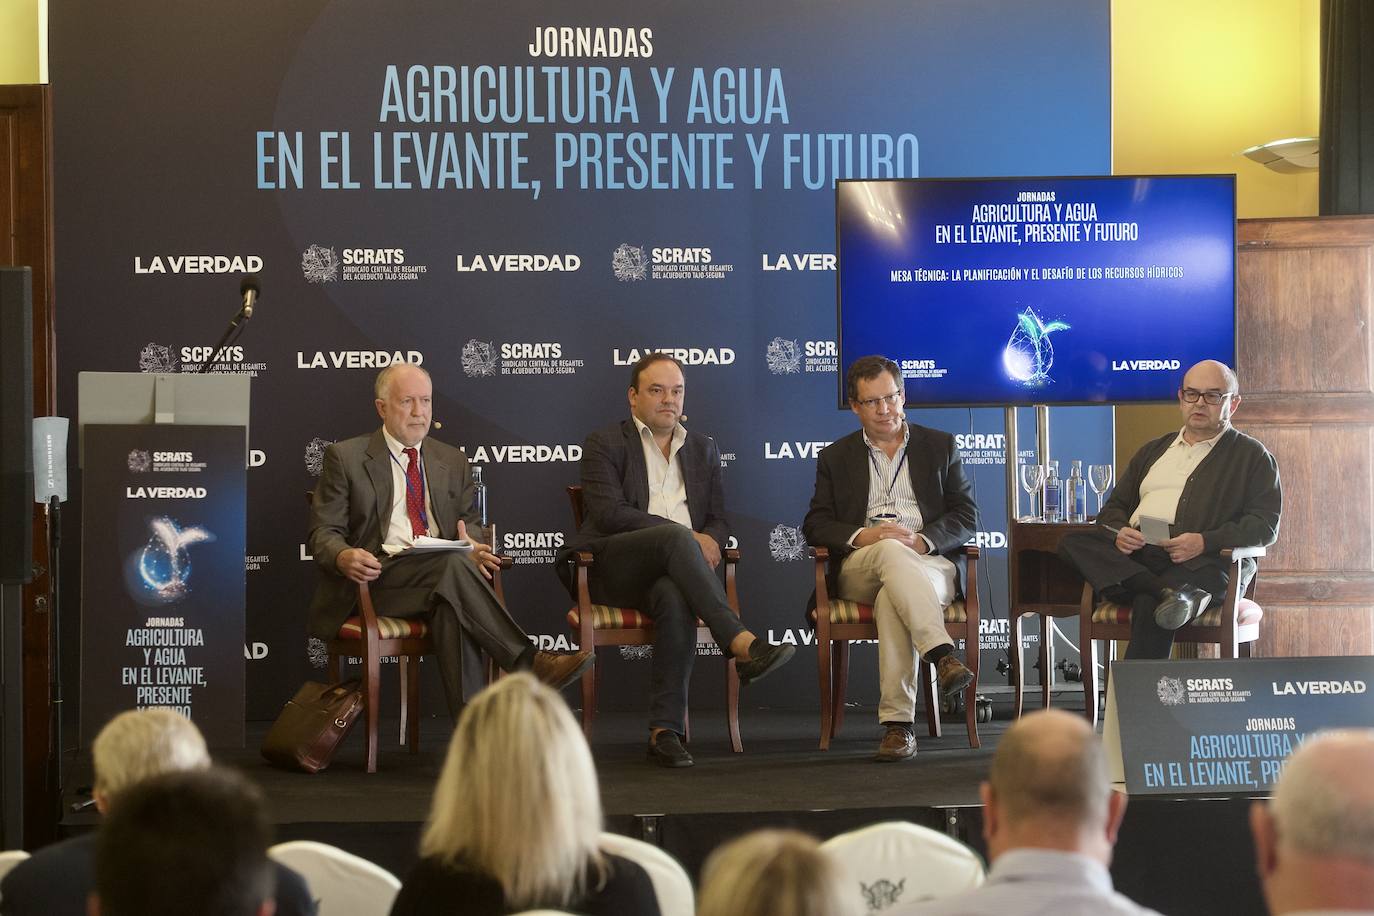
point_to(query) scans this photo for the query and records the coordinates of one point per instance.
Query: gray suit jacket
(352, 507)
(839, 506)
(615, 489)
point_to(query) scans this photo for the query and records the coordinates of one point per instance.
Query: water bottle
(1078, 494)
(1053, 505)
(479, 495)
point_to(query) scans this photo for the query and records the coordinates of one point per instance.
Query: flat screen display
(1017, 291)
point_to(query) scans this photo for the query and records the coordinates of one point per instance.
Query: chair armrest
(368, 614)
(506, 562)
(820, 554)
(731, 554)
(970, 551)
(1235, 554)
(583, 558)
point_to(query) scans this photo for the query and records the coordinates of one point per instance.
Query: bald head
(1049, 767)
(1211, 375)
(1324, 802)
(394, 372)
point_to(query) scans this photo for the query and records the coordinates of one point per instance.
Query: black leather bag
(312, 725)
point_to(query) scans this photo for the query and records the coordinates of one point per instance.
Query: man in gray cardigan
(1215, 486)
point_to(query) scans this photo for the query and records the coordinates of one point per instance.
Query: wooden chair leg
(1088, 656)
(412, 686)
(373, 676)
(972, 649)
(589, 699)
(1018, 678)
(732, 705)
(930, 697)
(826, 690)
(839, 653)
(1046, 634)
(686, 726)
(403, 662)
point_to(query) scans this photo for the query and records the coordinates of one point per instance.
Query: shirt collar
(1210, 443)
(906, 437)
(679, 431)
(394, 445)
(1058, 866)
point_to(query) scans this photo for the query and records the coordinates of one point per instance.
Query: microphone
(438, 425)
(248, 289)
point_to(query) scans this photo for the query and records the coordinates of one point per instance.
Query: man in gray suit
(388, 488)
(655, 522)
(891, 501)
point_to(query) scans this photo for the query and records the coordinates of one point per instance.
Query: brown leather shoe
(559, 670)
(952, 674)
(897, 744)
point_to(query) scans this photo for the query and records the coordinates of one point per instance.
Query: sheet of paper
(1154, 529)
(424, 544)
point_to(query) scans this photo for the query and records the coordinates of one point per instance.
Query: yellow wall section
(23, 41)
(1194, 82)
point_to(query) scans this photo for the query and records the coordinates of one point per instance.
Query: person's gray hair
(773, 871)
(382, 385)
(518, 797)
(142, 743)
(1324, 804)
(1050, 766)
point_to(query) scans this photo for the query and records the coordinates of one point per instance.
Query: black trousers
(1095, 555)
(661, 571)
(465, 617)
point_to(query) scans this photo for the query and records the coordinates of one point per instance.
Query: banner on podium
(163, 575)
(1225, 726)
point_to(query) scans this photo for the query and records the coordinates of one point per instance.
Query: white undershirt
(398, 529)
(667, 488)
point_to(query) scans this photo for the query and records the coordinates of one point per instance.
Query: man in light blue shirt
(1050, 819)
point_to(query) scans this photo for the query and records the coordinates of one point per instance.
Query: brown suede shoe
(952, 674)
(897, 744)
(560, 670)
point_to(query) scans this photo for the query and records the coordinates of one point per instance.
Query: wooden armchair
(838, 622)
(599, 625)
(1232, 625)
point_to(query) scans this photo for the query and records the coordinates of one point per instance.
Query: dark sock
(1146, 583)
(908, 727)
(525, 661)
(939, 652)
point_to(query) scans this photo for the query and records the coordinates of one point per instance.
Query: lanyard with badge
(891, 502)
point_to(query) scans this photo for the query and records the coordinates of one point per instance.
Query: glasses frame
(894, 399)
(1211, 398)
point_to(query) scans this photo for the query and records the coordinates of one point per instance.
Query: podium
(164, 522)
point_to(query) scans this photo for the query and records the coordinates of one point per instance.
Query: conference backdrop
(525, 198)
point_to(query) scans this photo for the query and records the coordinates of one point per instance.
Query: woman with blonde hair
(516, 818)
(772, 873)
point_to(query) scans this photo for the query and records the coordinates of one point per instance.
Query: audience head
(140, 744)
(518, 798)
(192, 843)
(1315, 838)
(772, 872)
(1048, 789)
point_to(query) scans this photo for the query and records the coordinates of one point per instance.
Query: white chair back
(672, 887)
(342, 883)
(10, 858)
(898, 863)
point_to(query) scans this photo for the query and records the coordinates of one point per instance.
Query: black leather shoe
(1179, 605)
(666, 750)
(763, 659)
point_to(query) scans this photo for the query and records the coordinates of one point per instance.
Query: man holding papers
(381, 492)
(1215, 486)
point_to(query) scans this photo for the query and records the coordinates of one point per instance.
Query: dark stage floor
(1177, 856)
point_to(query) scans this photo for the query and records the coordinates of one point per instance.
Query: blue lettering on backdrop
(636, 182)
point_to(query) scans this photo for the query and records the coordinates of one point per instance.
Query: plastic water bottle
(1077, 494)
(1054, 506)
(479, 495)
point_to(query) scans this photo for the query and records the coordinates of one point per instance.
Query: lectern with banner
(163, 542)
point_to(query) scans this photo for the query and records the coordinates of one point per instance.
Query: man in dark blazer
(1214, 485)
(891, 502)
(655, 522)
(388, 488)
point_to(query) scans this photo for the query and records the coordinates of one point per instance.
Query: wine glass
(1032, 478)
(1100, 479)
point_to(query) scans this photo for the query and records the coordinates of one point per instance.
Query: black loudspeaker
(16, 425)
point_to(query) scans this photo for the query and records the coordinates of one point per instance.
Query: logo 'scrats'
(783, 356)
(320, 264)
(785, 542)
(479, 358)
(630, 262)
(1170, 691)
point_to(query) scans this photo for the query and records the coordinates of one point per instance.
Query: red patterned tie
(415, 495)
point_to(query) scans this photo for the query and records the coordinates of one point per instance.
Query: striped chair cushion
(1247, 612)
(842, 611)
(606, 617)
(387, 628)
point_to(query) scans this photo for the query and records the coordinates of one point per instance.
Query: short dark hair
(869, 367)
(193, 843)
(647, 360)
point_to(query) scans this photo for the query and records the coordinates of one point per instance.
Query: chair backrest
(672, 887)
(10, 858)
(900, 863)
(342, 883)
(575, 500)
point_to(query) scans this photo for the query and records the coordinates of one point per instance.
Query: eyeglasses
(1191, 395)
(891, 400)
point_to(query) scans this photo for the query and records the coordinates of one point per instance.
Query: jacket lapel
(858, 480)
(918, 468)
(636, 471)
(378, 467)
(437, 474)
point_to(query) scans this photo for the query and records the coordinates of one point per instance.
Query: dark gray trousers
(661, 571)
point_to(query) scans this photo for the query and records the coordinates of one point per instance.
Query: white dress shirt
(398, 529)
(889, 487)
(667, 488)
(1163, 484)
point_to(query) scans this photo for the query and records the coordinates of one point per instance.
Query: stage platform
(1179, 856)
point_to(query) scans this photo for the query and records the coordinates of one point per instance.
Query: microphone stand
(231, 334)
